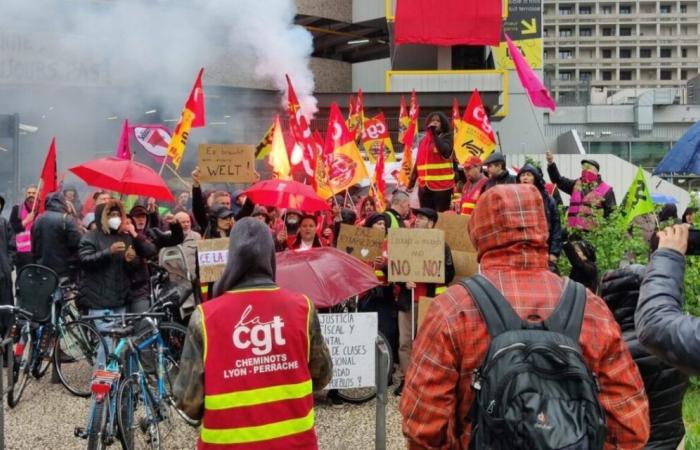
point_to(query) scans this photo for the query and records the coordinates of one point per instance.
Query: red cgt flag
(448, 22)
(195, 102)
(303, 157)
(48, 182)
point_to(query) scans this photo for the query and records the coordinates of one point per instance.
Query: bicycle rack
(381, 379)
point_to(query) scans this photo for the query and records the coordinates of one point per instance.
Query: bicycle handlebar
(123, 316)
(17, 310)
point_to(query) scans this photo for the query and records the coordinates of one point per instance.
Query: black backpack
(534, 390)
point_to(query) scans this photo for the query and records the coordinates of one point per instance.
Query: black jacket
(205, 220)
(504, 178)
(8, 252)
(665, 385)
(664, 330)
(567, 185)
(550, 209)
(585, 271)
(107, 277)
(16, 218)
(55, 237)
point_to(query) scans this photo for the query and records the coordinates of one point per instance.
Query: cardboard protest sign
(350, 338)
(362, 243)
(416, 255)
(224, 163)
(212, 255)
(456, 234)
(465, 263)
(423, 305)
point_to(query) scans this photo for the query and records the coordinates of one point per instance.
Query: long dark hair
(445, 125)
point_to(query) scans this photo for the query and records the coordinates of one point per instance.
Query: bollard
(381, 377)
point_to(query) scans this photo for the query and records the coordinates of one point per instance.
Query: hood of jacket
(102, 214)
(509, 228)
(251, 259)
(539, 178)
(56, 201)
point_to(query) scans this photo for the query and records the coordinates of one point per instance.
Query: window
(565, 10)
(625, 53)
(625, 75)
(619, 149)
(585, 32)
(607, 75)
(585, 76)
(608, 31)
(684, 74)
(665, 53)
(666, 74)
(565, 54)
(625, 31)
(606, 10)
(684, 52)
(684, 8)
(665, 9)
(565, 76)
(584, 10)
(625, 10)
(607, 53)
(565, 32)
(648, 154)
(645, 53)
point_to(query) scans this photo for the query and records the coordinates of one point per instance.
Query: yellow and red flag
(345, 166)
(379, 183)
(192, 117)
(320, 184)
(404, 175)
(475, 137)
(303, 157)
(357, 116)
(456, 122)
(277, 158)
(375, 138)
(265, 145)
(403, 119)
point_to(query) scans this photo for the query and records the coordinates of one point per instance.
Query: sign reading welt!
(223, 163)
(416, 255)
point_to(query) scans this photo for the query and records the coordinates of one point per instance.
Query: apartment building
(616, 45)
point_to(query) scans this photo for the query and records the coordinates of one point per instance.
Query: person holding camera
(434, 170)
(663, 329)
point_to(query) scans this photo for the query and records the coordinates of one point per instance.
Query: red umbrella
(326, 275)
(123, 176)
(285, 194)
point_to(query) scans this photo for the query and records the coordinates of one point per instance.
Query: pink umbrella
(326, 275)
(124, 176)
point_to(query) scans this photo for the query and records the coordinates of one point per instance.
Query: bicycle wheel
(137, 417)
(98, 424)
(18, 376)
(45, 354)
(173, 335)
(365, 394)
(75, 356)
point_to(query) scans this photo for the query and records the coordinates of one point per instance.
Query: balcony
(450, 81)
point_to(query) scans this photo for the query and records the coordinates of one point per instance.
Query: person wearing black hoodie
(55, 237)
(206, 218)
(664, 384)
(248, 301)
(530, 174)
(8, 253)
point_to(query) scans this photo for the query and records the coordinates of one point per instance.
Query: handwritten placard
(226, 163)
(456, 233)
(350, 338)
(362, 243)
(212, 255)
(416, 255)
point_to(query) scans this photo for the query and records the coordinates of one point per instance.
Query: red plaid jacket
(509, 229)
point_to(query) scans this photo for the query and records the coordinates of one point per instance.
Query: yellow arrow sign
(529, 27)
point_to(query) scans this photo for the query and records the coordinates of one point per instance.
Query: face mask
(292, 221)
(114, 222)
(588, 177)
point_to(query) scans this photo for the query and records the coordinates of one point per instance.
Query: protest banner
(212, 255)
(224, 163)
(465, 263)
(423, 305)
(362, 243)
(416, 255)
(350, 338)
(456, 233)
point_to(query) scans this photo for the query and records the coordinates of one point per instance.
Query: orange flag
(403, 119)
(278, 159)
(346, 167)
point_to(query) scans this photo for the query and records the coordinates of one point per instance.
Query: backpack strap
(495, 309)
(567, 318)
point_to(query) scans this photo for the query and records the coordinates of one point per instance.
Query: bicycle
(122, 392)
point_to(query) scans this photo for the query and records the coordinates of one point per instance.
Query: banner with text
(351, 341)
(227, 163)
(362, 243)
(212, 255)
(416, 255)
(524, 26)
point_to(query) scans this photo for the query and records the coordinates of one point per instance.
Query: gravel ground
(47, 415)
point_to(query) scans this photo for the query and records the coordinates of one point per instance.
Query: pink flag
(123, 150)
(539, 95)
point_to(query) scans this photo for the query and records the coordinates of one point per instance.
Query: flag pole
(534, 116)
(177, 175)
(500, 147)
(162, 166)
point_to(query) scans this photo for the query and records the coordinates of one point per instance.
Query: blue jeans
(101, 326)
